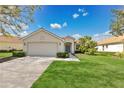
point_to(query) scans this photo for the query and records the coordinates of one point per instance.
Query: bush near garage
(18, 54)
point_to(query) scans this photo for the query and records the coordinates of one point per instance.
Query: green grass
(91, 72)
(6, 54)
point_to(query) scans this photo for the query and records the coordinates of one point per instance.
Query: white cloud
(65, 24)
(76, 36)
(81, 10)
(101, 36)
(24, 33)
(85, 14)
(96, 35)
(55, 26)
(58, 26)
(75, 15)
(107, 33)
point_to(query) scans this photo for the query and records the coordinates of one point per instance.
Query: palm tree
(117, 25)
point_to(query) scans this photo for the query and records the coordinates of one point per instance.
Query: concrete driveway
(22, 72)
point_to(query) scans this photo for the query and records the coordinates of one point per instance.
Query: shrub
(9, 50)
(87, 45)
(91, 51)
(4, 51)
(18, 54)
(62, 54)
(119, 54)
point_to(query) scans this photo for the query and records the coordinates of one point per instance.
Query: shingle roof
(10, 39)
(112, 40)
(68, 37)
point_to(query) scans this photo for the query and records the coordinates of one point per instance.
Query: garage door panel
(42, 49)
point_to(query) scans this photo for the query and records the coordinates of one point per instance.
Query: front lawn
(92, 72)
(5, 54)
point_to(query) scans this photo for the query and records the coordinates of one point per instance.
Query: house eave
(42, 29)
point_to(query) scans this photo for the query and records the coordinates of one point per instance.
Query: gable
(42, 35)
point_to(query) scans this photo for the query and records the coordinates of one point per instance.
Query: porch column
(72, 47)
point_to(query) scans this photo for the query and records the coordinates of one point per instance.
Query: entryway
(68, 47)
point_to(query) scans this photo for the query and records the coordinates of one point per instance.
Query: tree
(87, 45)
(14, 19)
(117, 25)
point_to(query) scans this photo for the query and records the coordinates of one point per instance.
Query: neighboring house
(44, 43)
(113, 44)
(10, 43)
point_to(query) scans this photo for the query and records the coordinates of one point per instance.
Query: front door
(68, 47)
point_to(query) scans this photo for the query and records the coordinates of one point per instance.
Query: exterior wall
(111, 48)
(72, 44)
(43, 37)
(99, 48)
(9, 46)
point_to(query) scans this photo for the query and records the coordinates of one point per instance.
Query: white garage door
(42, 49)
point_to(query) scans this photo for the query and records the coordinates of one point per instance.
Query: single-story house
(112, 44)
(10, 43)
(45, 43)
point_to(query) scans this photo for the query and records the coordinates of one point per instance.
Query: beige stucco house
(112, 44)
(10, 43)
(45, 43)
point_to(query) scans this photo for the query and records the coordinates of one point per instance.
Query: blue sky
(76, 20)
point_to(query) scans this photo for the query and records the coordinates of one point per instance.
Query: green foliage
(119, 54)
(87, 45)
(62, 54)
(3, 51)
(18, 54)
(116, 54)
(15, 18)
(117, 25)
(91, 51)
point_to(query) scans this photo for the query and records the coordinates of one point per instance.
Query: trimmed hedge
(62, 55)
(18, 54)
(4, 51)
